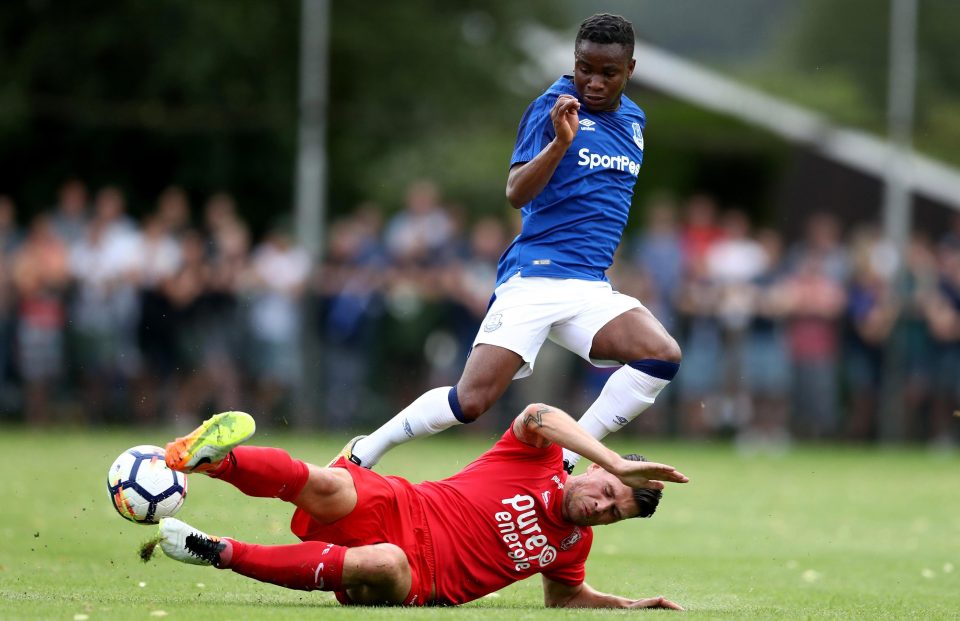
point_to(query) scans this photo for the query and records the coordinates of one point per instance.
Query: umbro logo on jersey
(588, 125)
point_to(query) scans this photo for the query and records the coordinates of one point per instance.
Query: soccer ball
(141, 486)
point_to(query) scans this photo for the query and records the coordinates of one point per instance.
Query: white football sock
(626, 394)
(428, 415)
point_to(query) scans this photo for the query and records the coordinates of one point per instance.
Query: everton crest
(638, 135)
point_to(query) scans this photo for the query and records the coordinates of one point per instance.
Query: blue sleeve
(535, 132)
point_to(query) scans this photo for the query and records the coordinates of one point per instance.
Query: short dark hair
(606, 28)
(646, 499)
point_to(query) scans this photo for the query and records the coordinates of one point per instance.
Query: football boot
(205, 447)
(186, 544)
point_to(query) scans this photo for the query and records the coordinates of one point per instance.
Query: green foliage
(205, 94)
(427, 89)
(471, 162)
(836, 59)
(144, 94)
(848, 39)
(818, 533)
(689, 149)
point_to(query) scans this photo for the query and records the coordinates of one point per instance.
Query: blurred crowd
(105, 319)
(832, 336)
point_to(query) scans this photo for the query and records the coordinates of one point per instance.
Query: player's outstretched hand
(648, 474)
(655, 602)
(566, 120)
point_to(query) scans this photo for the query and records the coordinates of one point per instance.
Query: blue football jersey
(573, 227)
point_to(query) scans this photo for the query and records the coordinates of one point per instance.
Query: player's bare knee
(473, 403)
(388, 564)
(329, 493)
(657, 347)
(669, 351)
(382, 574)
(321, 481)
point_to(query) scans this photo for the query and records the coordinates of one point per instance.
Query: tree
(204, 94)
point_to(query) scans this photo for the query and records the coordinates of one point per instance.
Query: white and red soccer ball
(142, 488)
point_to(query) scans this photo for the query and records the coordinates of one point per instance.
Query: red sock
(307, 566)
(263, 472)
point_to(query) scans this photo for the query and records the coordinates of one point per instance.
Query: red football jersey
(499, 520)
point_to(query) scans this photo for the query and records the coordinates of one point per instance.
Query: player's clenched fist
(565, 119)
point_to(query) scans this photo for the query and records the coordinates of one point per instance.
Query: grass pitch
(827, 533)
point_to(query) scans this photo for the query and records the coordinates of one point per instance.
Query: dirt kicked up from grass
(145, 552)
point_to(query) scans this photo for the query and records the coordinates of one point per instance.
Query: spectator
(158, 261)
(110, 208)
(822, 241)
(735, 258)
(41, 277)
(815, 302)
(219, 219)
(223, 318)
(10, 234)
(659, 253)
(185, 293)
(173, 211)
(422, 228)
(204, 297)
(8, 392)
(169, 306)
(700, 383)
(69, 215)
(699, 230)
(279, 273)
(872, 311)
(765, 365)
(349, 285)
(417, 239)
(733, 262)
(10, 239)
(919, 367)
(469, 282)
(105, 308)
(942, 310)
(9, 243)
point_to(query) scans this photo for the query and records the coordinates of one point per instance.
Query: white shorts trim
(527, 311)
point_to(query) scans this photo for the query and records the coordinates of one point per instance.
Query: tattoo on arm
(536, 417)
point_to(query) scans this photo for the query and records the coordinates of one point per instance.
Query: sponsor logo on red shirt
(521, 532)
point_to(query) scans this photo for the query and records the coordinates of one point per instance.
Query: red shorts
(388, 511)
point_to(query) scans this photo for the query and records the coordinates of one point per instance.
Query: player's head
(597, 497)
(603, 60)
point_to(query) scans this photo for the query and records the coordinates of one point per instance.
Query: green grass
(827, 533)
